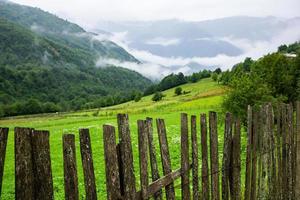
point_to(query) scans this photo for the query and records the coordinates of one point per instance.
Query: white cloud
(163, 41)
(90, 11)
(156, 67)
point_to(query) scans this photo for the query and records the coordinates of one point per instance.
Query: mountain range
(49, 64)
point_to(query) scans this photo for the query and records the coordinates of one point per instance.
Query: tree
(157, 96)
(218, 71)
(138, 97)
(178, 91)
(214, 76)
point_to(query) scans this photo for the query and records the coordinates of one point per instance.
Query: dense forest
(38, 74)
(273, 78)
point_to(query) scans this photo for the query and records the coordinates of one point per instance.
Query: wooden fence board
(165, 156)
(126, 157)
(236, 162)
(111, 163)
(87, 164)
(185, 187)
(254, 155)
(143, 156)
(214, 158)
(70, 167)
(153, 160)
(43, 184)
(297, 184)
(204, 150)
(248, 154)
(24, 179)
(195, 157)
(3, 143)
(227, 150)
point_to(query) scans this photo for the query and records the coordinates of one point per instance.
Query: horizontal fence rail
(272, 163)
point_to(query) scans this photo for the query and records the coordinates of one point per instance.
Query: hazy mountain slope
(40, 75)
(62, 31)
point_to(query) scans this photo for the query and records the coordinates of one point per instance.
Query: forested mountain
(63, 32)
(43, 71)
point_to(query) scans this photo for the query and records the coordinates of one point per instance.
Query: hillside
(205, 95)
(63, 32)
(41, 75)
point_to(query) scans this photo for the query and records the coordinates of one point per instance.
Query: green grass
(204, 96)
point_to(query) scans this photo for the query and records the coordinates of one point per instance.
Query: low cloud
(155, 66)
(163, 41)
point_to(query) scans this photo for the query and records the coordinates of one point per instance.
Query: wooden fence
(272, 167)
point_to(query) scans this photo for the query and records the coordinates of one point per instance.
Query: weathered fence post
(297, 184)
(278, 151)
(43, 184)
(24, 179)
(272, 149)
(185, 187)
(195, 157)
(111, 163)
(214, 158)
(284, 153)
(165, 156)
(254, 154)
(236, 162)
(204, 171)
(153, 160)
(70, 167)
(290, 143)
(3, 142)
(87, 164)
(126, 157)
(226, 156)
(248, 154)
(143, 156)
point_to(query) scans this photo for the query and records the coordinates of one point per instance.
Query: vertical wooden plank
(185, 187)
(214, 158)
(264, 156)
(3, 143)
(24, 179)
(153, 160)
(204, 153)
(143, 156)
(290, 130)
(236, 162)
(297, 184)
(284, 153)
(254, 157)
(195, 157)
(248, 154)
(226, 156)
(278, 152)
(272, 149)
(165, 156)
(126, 157)
(43, 184)
(87, 164)
(70, 167)
(111, 163)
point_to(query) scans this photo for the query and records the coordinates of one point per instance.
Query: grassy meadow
(202, 97)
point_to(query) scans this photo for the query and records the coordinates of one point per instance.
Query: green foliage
(138, 96)
(214, 76)
(174, 80)
(178, 91)
(218, 71)
(292, 48)
(157, 96)
(272, 78)
(56, 77)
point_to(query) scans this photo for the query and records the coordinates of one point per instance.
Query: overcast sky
(89, 11)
